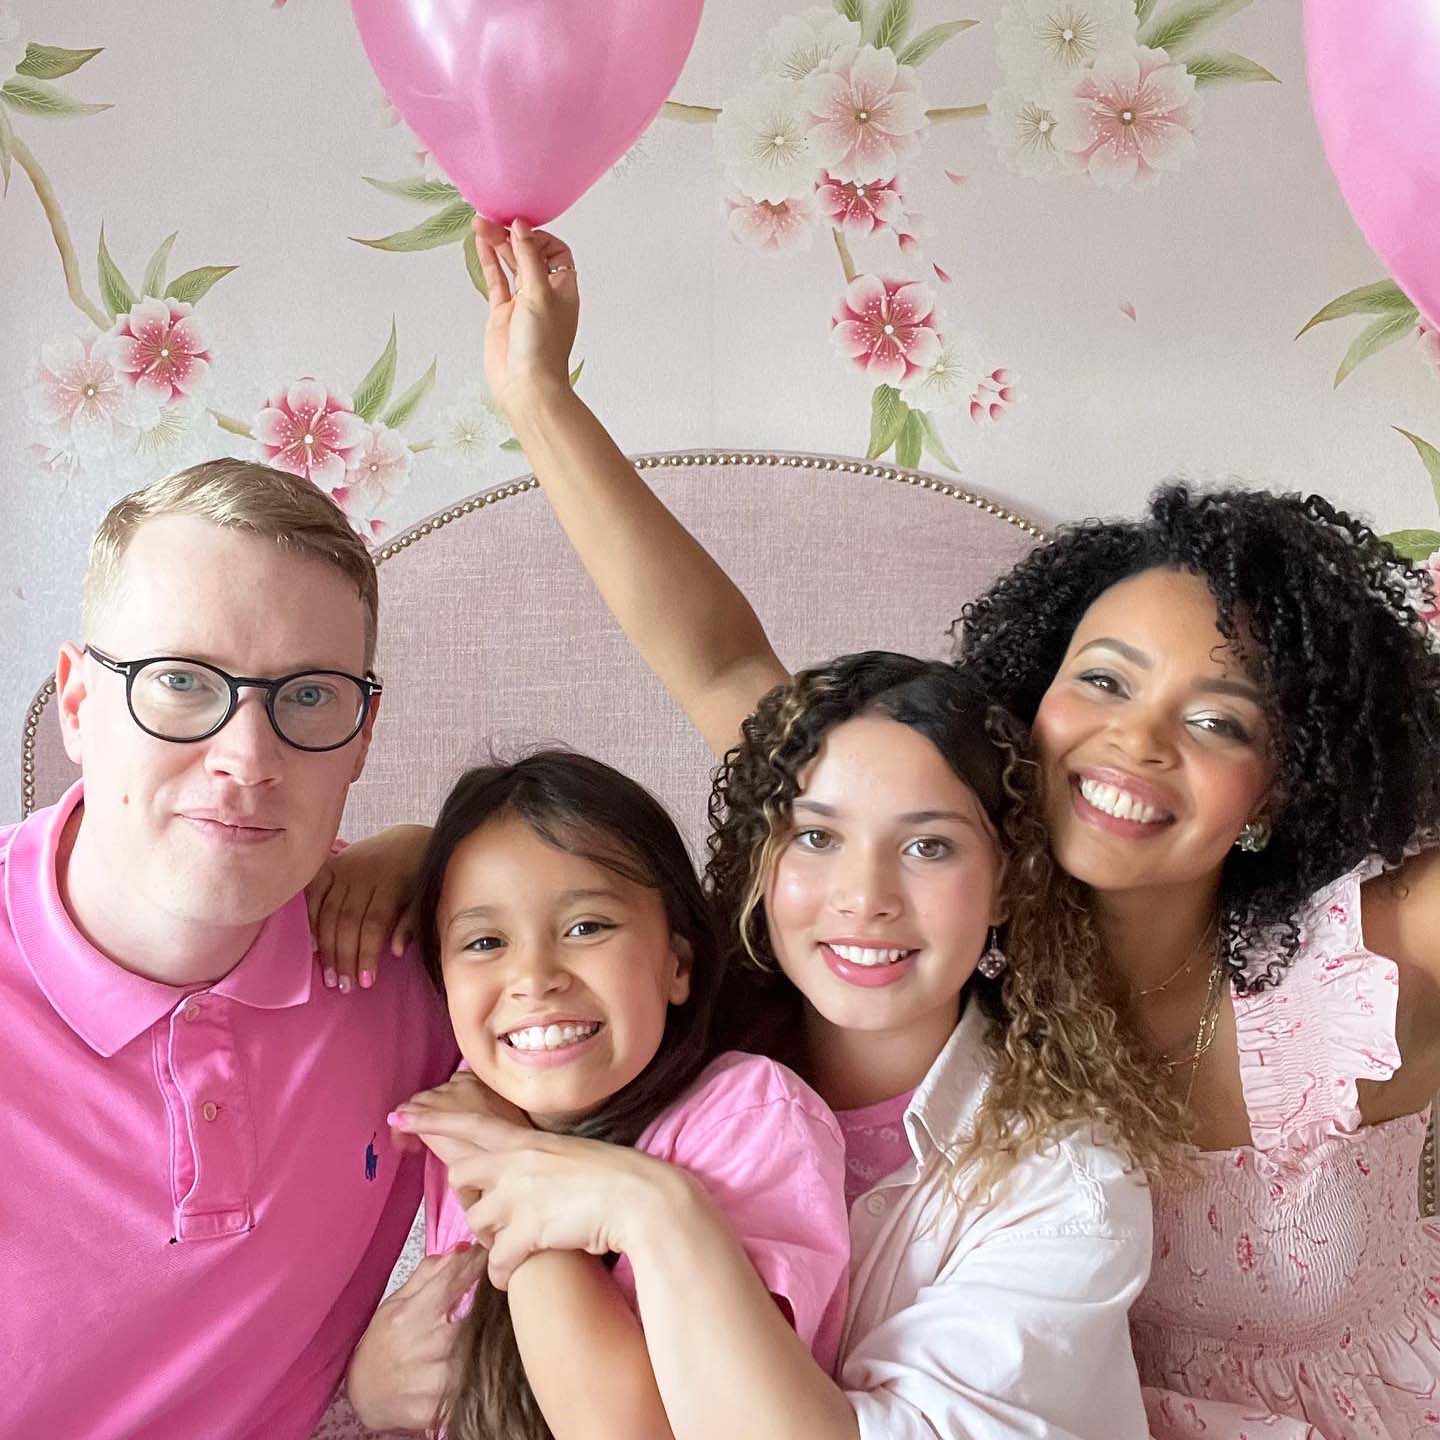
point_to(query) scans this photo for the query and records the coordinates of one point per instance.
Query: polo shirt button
(191, 1012)
(209, 1109)
(876, 1204)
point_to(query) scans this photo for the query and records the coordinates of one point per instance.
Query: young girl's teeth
(863, 955)
(550, 1037)
(1119, 803)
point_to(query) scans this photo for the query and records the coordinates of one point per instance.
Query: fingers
(404, 933)
(484, 1131)
(326, 921)
(486, 249)
(315, 893)
(344, 955)
(534, 279)
(508, 1251)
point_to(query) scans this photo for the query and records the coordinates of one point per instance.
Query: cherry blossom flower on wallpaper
(159, 345)
(310, 431)
(949, 383)
(776, 229)
(992, 396)
(1022, 125)
(861, 209)
(1130, 118)
(798, 45)
(1429, 338)
(1056, 40)
(763, 141)
(167, 438)
(470, 431)
(886, 327)
(378, 472)
(867, 113)
(1431, 611)
(84, 406)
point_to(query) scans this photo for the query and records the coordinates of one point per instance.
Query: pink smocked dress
(1296, 1282)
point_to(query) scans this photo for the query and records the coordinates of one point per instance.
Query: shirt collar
(104, 1004)
(942, 1111)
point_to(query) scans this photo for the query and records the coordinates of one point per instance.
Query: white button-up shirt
(999, 1320)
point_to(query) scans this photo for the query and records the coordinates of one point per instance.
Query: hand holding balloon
(533, 318)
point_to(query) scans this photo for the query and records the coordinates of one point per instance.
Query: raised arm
(679, 609)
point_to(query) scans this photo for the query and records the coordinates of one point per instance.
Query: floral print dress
(1295, 1293)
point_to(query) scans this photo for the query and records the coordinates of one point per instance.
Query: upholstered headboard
(492, 634)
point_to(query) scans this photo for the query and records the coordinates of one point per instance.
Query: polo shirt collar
(942, 1111)
(104, 1004)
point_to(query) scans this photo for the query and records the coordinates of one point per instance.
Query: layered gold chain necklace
(1192, 1049)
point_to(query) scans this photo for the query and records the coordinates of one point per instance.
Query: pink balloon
(526, 103)
(1375, 86)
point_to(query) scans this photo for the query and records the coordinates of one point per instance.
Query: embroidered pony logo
(372, 1160)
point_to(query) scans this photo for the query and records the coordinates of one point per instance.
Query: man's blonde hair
(236, 495)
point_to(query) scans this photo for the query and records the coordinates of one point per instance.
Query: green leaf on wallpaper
(1225, 67)
(195, 284)
(50, 62)
(893, 24)
(1414, 544)
(374, 390)
(409, 402)
(6, 135)
(1383, 297)
(933, 444)
(425, 192)
(513, 446)
(1143, 10)
(1372, 339)
(925, 44)
(888, 413)
(444, 227)
(154, 283)
(115, 292)
(852, 10)
(1173, 30)
(472, 266)
(576, 373)
(39, 97)
(1430, 457)
(907, 447)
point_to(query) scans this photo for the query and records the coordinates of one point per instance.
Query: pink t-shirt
(768, 1150)
(200, 1204)
(876, 1145)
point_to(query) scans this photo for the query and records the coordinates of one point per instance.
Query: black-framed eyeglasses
(173, 697)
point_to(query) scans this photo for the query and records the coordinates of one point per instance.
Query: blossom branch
(708, 114)
(50, 204)
(957, 112)
(232, 425)
(847, 260)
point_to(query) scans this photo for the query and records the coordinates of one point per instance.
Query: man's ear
(70, 694)
(367, 734)
(685, 959)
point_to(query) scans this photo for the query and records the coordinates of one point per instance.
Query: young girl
(561, 917)
(1236, 717)
(997, 1242)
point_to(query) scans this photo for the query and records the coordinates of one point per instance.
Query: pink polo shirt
(770, 1153)
(199, 1201)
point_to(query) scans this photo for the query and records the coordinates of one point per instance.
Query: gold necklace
(1184, 966)
(1204, 1032)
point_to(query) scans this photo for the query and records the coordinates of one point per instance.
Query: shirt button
(191, 1012)
(209, 1109)
(876, 1204)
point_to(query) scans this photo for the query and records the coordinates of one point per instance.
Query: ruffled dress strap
(1328, 1023)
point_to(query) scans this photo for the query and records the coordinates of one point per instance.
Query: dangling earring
(992, 962)
(1254, 837)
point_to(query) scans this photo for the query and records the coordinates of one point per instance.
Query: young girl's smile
(1153, 739)
(880, 899)
(558, 971)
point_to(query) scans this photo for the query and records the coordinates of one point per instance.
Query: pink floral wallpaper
(1061, 248)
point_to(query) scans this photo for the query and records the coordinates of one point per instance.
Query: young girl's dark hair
(1331, 623)
(584, 808)
(1054, 1025)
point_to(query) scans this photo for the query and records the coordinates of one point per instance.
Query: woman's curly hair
(1333, 630)
(1055, 1034)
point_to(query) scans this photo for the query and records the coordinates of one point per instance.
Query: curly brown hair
(1055, 1033)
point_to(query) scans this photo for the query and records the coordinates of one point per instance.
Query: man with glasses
(201, 1203)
